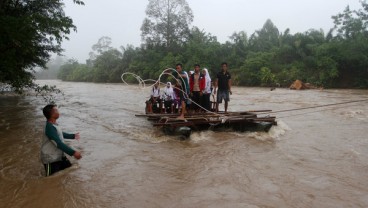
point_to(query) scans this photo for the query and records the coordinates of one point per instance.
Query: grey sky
(121, 19)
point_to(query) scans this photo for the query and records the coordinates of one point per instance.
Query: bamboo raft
(237, 121)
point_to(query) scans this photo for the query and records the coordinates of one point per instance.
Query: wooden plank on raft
(203, 114)
(204, 120)
(207, 118)
(259, 111)
(186, 123)
(263, 118)
(229, 121)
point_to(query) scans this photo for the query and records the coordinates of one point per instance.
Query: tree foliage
(267, 57)
(266, 38)
(30, 31)
(167, 23)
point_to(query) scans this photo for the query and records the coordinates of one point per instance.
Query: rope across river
(316, 106)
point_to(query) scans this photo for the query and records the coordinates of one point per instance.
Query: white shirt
(155, 92)
(207, 88)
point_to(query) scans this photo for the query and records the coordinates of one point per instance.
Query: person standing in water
(53, 146)
(223, 84)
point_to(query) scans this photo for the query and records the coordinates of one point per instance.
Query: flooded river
(313, 158)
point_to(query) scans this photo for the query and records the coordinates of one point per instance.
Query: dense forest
(338, 58)
(268, 57)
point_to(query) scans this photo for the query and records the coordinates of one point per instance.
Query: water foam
(277, 131)
(156, 135)
(201, 136)
(273, 135)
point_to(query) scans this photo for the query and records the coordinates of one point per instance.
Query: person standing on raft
(197, 84)
(223, 84)
(53, 146)
(183, 79)
(206, 101)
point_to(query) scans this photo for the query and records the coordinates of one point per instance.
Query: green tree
(266, 38)
(30, 31)
(167, 23)
(352, 23)
(81, 73)
(67, 69)
(201, 48)
(267, 77)
(106, 66)
(266, 58)
(350, 44)
(102, 45)
(250, 72)
(238, 48)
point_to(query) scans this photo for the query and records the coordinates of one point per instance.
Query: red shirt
(201, 81)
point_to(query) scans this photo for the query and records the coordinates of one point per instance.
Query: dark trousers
(206, 102)
(168, 104)
(54, 167)
(197, 99)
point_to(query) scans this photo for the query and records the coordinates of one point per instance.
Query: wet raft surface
(237, 121)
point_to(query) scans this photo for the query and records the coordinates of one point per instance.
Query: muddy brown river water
(313, 158)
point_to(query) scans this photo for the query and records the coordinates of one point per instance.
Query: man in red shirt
(197, 84)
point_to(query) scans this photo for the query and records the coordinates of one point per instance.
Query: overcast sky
(121, 19)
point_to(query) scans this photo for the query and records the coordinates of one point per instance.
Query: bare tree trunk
(168, 27)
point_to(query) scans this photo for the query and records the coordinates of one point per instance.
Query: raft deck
(238, 121)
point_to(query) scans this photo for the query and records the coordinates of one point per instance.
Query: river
(313, 158)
